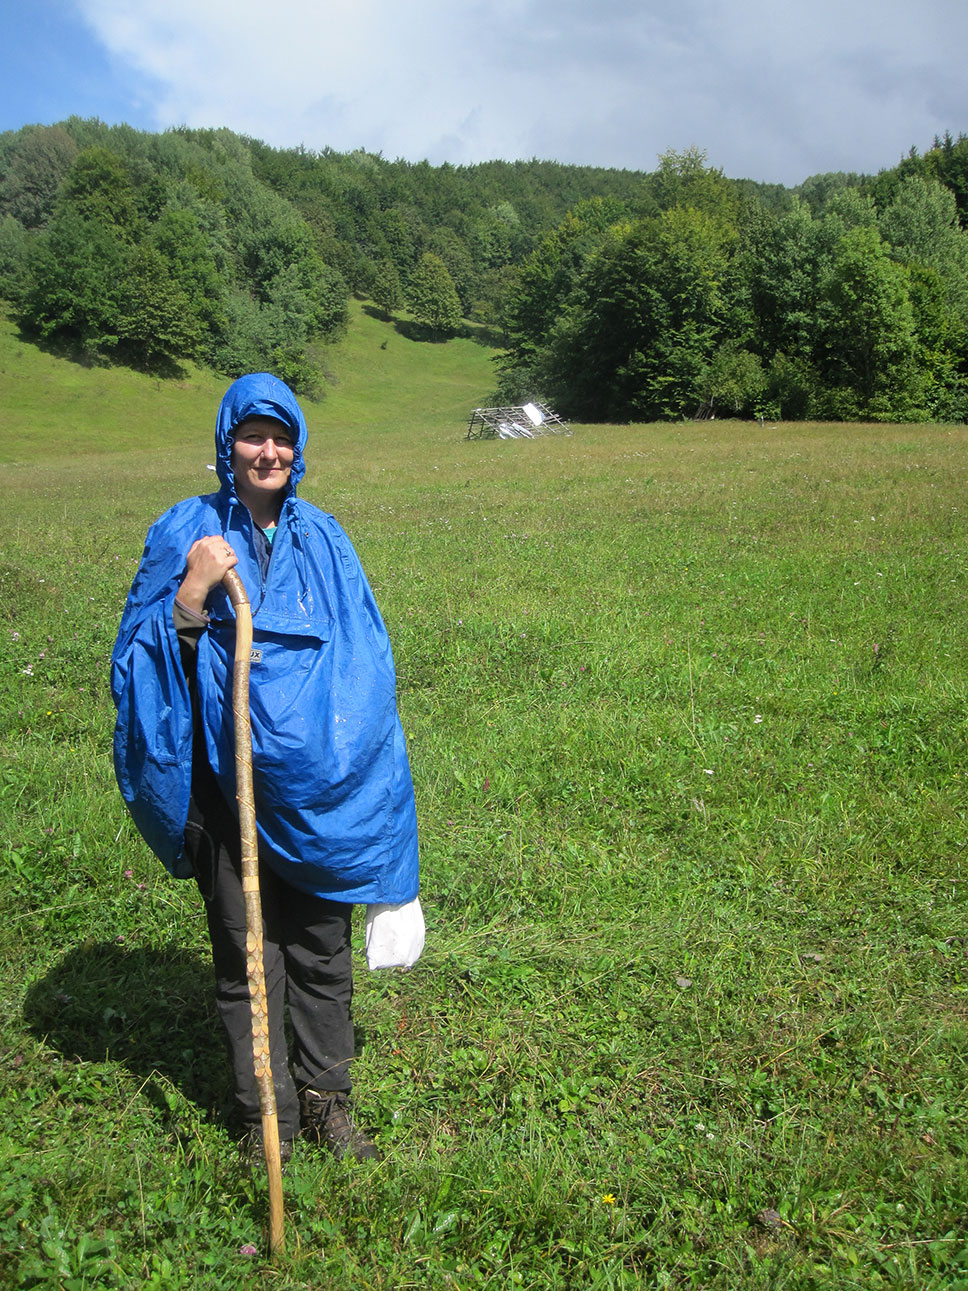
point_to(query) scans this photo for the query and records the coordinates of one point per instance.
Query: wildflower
(707, 770)
(608, 1198)
(129, 874)
(28, 671)
(14, 636)
(758, 718)
(248, 1249)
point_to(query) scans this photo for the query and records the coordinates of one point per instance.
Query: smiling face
(262, 452)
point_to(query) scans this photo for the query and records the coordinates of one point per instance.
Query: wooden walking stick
(254, 967)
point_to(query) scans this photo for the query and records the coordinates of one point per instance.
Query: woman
(333, 793)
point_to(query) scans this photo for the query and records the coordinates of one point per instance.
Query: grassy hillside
(55, 408)
(685, 708)
(378, 376)
(143, 443)
(385, 381)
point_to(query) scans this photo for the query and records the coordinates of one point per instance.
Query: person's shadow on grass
(151, 1010)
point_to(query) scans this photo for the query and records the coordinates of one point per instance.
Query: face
(262, 452)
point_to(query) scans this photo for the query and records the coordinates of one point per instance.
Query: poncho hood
(258, 394)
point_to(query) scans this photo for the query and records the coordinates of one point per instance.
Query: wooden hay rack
(524, 422)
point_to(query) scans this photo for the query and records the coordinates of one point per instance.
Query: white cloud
(772, 89)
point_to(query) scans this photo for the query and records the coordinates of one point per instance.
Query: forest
(613, 295)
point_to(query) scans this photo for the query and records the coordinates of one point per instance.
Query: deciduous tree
(386, 287)
(868, 332)
(433, 297)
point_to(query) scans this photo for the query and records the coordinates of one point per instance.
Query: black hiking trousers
(308, 966)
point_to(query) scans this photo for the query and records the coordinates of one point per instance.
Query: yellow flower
(608, 1199)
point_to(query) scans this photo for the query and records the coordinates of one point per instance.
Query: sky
(772, 90)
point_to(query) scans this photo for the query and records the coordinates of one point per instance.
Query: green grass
(685, 707)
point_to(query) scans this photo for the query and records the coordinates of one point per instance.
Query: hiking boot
(253, 1151)
(328, 1122)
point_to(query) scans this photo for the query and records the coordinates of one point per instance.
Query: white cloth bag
(394, 935)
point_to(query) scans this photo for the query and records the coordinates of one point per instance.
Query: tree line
(148, 249)
(847, 299)
(619, 295)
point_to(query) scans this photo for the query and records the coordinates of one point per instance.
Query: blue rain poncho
(333, 794)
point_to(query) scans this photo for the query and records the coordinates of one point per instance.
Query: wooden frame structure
(524, 422)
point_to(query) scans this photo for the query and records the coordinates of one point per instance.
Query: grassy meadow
(686, 714)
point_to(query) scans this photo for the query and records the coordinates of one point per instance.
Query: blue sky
(55, 66)
(774, 90)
